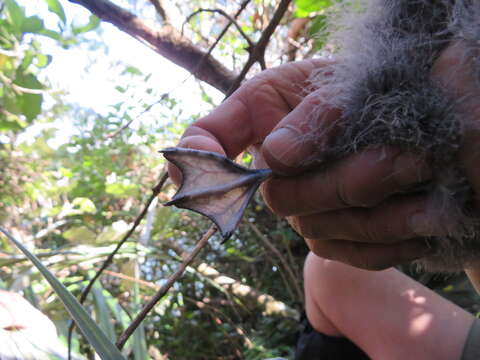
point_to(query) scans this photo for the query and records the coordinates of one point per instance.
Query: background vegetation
(75, 180)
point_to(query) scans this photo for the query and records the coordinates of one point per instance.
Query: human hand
(455, 69)
(357, 199)
(249, 115)
(351, 212)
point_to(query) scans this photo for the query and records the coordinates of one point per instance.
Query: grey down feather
(381, 81)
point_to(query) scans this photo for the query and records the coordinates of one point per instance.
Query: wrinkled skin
(357, 211)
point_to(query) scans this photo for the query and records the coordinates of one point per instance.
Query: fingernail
(410, 169)
(284, 145)
(423, 225)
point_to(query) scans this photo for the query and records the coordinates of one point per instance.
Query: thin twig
(132, 279)
(155, 191)
(258, 51)
(164, 289)
(220, 36)
(282, 259)
(166, 41)
(192, 73)
(160, 8)
(20, 89)
(148, 108)
(224, 14)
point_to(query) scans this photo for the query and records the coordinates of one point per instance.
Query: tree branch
(166, 41)
(228, 17)
(160, 8)
(258, 51)
(164, 289)
(253, 297)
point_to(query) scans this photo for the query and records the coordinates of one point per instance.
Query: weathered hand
(250, 114)
(455, 69)
(357, 211)
(352, 211)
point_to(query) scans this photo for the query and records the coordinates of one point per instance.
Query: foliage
(72, 197)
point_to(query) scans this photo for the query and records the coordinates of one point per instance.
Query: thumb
(301, 136)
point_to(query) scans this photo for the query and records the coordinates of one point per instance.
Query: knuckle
(320, 248)
(295, 223)
(343, 193)
(351, 195)
(271, 198)
(362, 258)
(372, 231)
(309, 227)
(313, 99)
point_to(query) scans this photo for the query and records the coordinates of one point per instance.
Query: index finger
(250, 114)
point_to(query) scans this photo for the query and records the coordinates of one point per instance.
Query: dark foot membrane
(381, 83)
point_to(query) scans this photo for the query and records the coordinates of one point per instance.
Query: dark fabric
(312, 345)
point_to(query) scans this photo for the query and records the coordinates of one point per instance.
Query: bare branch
(258, 51)
(248, 294)
(160, 8)
(166, 41)
(144, 111)
(220, 36)
(224, 14)
(164, 289)
(294, 31)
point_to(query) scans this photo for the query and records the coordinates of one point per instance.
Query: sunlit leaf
(80, 235)
(95, 336)
(55, 7)
(305, 7)
(32, 24)
(139, 342)
(102, 312)
(51, 34)
(29, 104)
(43, 60)
(16, 13)
(84, 205)
(113, 233)
(93, 23)
(132, 70)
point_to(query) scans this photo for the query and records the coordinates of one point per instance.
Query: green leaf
(51, 34)
(15, 13)
(93, 23)
(27, 60)
(306, 7)
(113, 233)
(140, 351)
(32, 24)
(29, 104)
(80, 235)
(55, 7)
(43, 60)
(102, 312)
(95, 336)
(132, 70)
(318, 33)
(84, 205)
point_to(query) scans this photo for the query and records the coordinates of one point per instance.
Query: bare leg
(385, 313)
